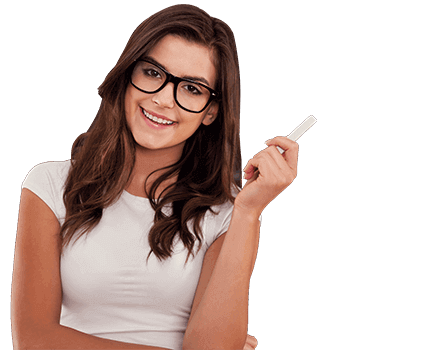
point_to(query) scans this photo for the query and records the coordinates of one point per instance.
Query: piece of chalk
(300, 130)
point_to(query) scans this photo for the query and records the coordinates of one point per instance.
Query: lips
(157, 119)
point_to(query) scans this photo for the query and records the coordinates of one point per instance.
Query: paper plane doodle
(97, 41)
(328, 253)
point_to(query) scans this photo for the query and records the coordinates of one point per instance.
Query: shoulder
(224, 208)
(222, 211)
(217, 221)
(47, 181)
(55, 171)
(55, 167)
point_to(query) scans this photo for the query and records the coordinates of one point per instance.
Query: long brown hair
(209, 169)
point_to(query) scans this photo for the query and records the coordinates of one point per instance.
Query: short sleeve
(217, 223)
(225, 223)
(47, 181)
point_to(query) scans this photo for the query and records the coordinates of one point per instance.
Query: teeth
(156, 119)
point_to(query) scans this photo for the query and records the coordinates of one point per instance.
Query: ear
(211, 114)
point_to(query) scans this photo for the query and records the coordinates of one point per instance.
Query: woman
(146, 230)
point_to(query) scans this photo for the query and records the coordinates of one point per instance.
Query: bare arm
(60, 337)
(223, 289)
(219, 314)
(36, 286)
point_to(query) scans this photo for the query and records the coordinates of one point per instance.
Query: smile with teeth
(156, 119)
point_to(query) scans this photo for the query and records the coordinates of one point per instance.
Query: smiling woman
(132, 153)
(156, 109)
(145, 239)
(139, 197)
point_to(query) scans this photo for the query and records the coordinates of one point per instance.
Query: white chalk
(300, 130)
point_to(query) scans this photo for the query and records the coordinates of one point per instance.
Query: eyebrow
(188, 77)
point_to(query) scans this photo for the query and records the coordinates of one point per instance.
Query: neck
(147, 161)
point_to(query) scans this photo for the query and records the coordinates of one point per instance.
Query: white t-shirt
(108, 288)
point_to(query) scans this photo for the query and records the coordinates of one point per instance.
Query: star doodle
(390, 71)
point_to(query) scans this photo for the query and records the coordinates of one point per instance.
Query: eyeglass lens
(148, 77)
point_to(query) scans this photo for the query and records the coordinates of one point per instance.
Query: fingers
(290, 148)
(270, 158)
(285, 143)
(251, 343)
(262, 164)
(268, 173)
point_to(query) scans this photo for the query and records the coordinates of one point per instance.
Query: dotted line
(271, 274)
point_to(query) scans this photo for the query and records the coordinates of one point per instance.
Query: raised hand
(268, 173)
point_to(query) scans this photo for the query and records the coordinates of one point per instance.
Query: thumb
(251, 176)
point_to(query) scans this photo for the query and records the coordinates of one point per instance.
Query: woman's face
(182, 59)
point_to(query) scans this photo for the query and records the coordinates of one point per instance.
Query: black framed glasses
(190, 95)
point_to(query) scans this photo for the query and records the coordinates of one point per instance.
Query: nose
(165, 98)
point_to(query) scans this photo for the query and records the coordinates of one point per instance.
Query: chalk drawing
(240, 24)
(62, 101)
(97, 41)
(315, 147)
(324, 53)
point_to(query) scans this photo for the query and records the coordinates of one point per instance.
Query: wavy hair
(102, 159)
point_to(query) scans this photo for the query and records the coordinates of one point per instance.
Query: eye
(152, 73)
(192, 89)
